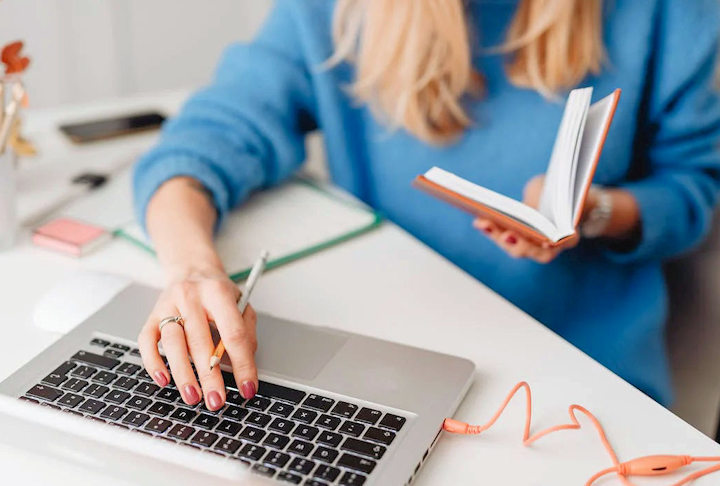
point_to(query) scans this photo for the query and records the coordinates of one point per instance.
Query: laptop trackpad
(295, 350)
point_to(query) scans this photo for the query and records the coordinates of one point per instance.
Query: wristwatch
(598, 218)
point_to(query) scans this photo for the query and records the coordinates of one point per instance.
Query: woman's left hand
(514, 244)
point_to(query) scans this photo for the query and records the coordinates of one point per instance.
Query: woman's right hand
(200, 297)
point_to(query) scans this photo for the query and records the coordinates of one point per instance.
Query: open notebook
(574, 158)
(291, 221)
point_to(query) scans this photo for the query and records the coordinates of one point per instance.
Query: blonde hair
(413, 58)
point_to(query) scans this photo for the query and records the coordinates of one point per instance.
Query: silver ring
(168, 320)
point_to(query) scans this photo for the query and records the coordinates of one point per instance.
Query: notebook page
(598, 120)
(492, 199)
(284, 220)
(556, 198)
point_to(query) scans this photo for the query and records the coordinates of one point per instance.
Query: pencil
(255, 273)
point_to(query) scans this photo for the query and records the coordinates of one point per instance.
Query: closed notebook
(291, 221)
(574, 157)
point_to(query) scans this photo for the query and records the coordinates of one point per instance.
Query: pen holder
(8, 193)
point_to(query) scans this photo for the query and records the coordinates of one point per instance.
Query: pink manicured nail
(511, 240)
(488, 230)
(247, 389)
(160, 378)
(214, 400)
(191, 394)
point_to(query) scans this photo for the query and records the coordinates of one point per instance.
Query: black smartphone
(105, 128)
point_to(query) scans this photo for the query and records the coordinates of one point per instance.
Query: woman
(474, 87)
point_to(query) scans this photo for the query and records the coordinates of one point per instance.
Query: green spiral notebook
(291, 221)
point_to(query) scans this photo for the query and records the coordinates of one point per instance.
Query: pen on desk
(255, 273)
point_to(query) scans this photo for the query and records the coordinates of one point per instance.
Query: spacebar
(271, 390)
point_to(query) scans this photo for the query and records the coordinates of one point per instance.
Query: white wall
(89, 49)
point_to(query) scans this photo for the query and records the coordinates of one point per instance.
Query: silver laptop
(332, 407)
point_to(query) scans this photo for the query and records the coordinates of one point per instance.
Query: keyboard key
(125, 383)
(91, 406)
(96, 391)
(282, 409)
(135, 352)
(368, 415)
(183, 415)
(288, 477)
(83, 371)
(352, 428)
(234, 397)
(305, 432)
(276, 458)
(75, 384)
(280, 392)
(326, 473)
(181, 432)
(329, 438)
(318, 402)
(282, 425)
(303, 466)
(117, 396)
(228, 445)
(70, 400)
(113, 353)
(235, 413)
(393, 422)
(206, 421)
(379, 435)
(128, 369)
(54, 379)
(121, 347)
(160, 408)
(113, 412)
(352, 479)
(143, 375)
(315, 482)
(252, 452)
(138, 403)
(344, 409)
(96, 360)
(136, 419)
(276, 441)
(300, 447)
(356, 463)
(169, 394)
(100, 342)
(104, 377)
(203, 438)
(252, 434)
(44, 392)
(264, 470)
(326, 455)
(374, 451)
(146, 389)
(328, 422)
(259, 419)
(258, 403)
(158, 425)
(304, 416)
(228, 427)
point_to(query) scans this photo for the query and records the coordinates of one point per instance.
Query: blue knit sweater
(245, 131)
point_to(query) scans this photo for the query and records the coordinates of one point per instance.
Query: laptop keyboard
(283, 433)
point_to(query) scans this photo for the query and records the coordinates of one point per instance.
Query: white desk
(386, 277)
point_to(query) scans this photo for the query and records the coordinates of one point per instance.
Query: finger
(148, 345)
(543, 255)
(513, 244)
(200, 344)
(486, 226)
(238, 335)
(175, 347)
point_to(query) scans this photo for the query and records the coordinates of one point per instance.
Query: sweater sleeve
(246, 129)
(679, 141)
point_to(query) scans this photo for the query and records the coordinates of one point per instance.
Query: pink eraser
(70, 236)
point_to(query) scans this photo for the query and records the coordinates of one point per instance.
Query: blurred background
(88, 50)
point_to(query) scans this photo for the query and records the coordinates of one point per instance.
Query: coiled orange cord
(642, 466)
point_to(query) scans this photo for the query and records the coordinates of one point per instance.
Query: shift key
(96, 359)
(44, 392)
